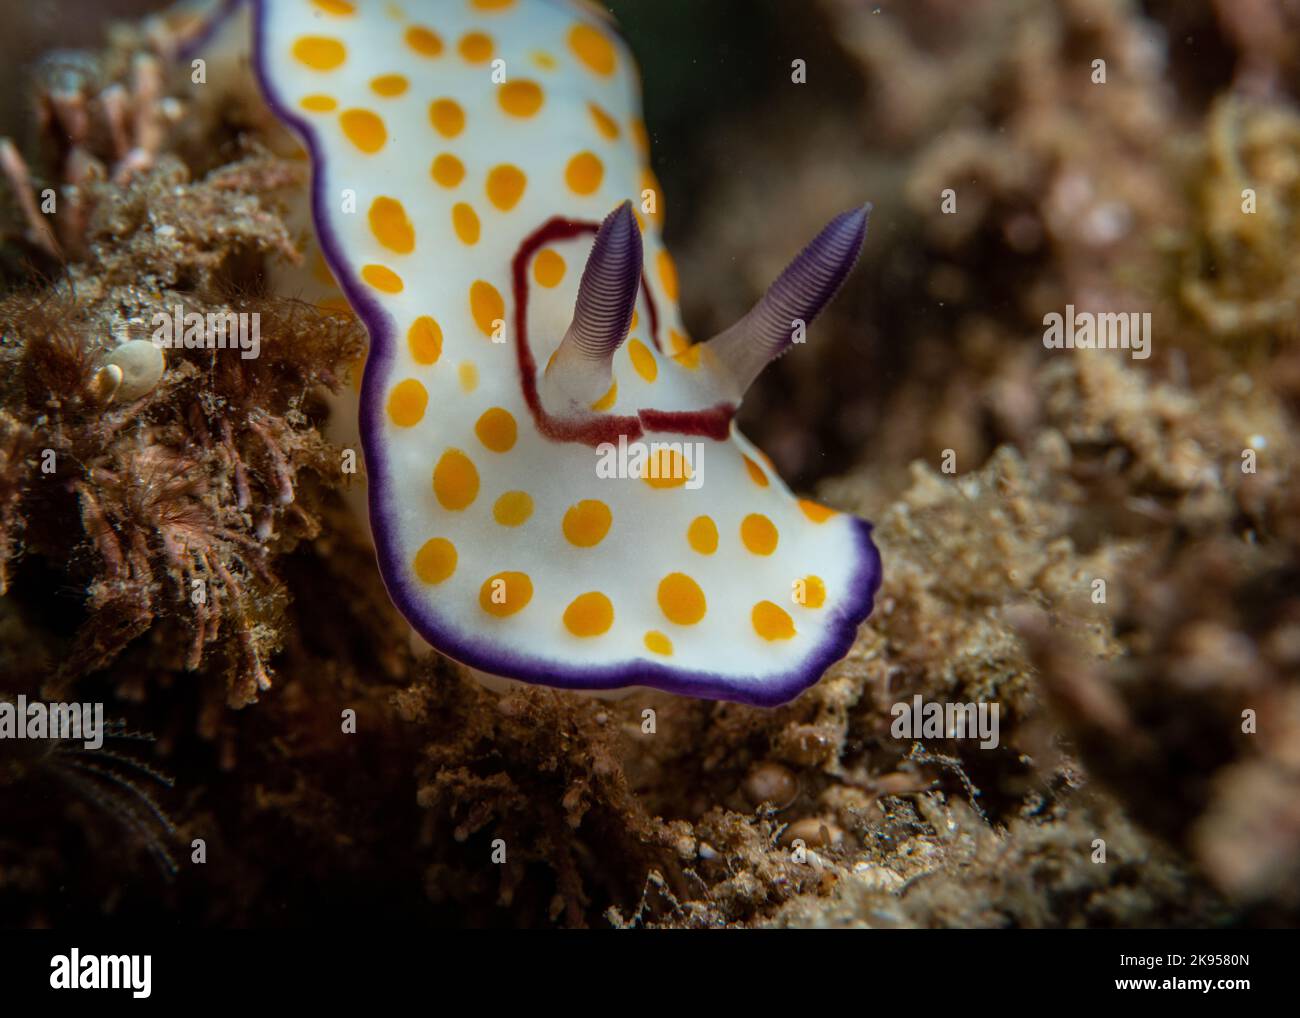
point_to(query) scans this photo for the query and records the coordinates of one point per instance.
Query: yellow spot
(382, 278)
(496, 429)
(605, 124)
(814, 592)
(389, 85)
(681, 599)
(756, 472)
(319, 52)
(341, 8)
(447, 117)
(436, 560)
(544, 60)
(468, 373)
(589, 614)
(424, 338)
(771, 622)
(492, 6)
(703, 535)
(690, 357)
(505, 186)
(608, 400)
(447, 170)
(513, 508)
(465, 221)
(391, 227)
(636, 318)
(548, 268)
(407, 402)
(476, 47)
(657, 643)
(584, 173)
(815, 512)
(640, 136)
(364, 129)
(487, 306)
(587, 523)
(505, 593)
(678, 342)
(643, 360)
(425, 42)
(319, 103)
(759, 534)
(666, 468)
(520, 98)
(592, 49)
(667, 274)
(455, 480)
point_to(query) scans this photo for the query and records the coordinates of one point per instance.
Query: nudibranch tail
(798, 296)
(582, 367)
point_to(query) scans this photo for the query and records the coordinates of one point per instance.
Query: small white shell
(142, 365)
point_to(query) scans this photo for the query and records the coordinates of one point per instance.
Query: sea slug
(557, 490)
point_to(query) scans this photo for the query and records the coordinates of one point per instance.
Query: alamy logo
(934, 720)
(1085, 330)
(213, 331)
(37, 720)
(75, 971)
(666, 463)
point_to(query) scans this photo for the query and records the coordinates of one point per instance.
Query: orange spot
(505, 593)
(455, 480)
(593, 49)
(382, 278)
(436, 560)
(703, 535)
(520, 98)
(666, 468)
(424, 41)
(391, 227)
(759, 534)
(544, 60)
(447, 117)
(771, 622)
(640, 136)
(476, 47)
(319, 103)
(643, 360)
(681, 599)
(496, 429)
(424, 338)
(608, 400)
(513, 508)
(584, 173)
(407, 403)
(756, 472)
(389, 85)
(589, 614)
(814, 592)
(678, 342)
(586, 523)
(465, 221)
(667, 274)
(605, 124)
(505, 186)
(657, 643)
(492, 6)
(340, 8)
(319, 52)
(447, 170)
(364, 129)
(814, 511)
(487, 306)
(548, 268)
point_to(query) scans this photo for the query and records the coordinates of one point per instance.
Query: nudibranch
(557, 490)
